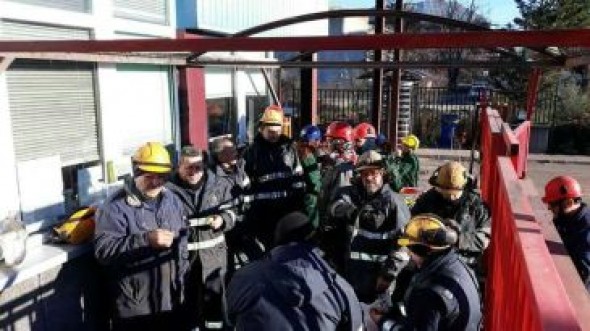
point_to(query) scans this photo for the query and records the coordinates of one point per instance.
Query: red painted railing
(527, 287)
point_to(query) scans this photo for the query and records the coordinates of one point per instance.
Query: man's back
(292, 289)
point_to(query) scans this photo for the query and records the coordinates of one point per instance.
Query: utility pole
(377, 97)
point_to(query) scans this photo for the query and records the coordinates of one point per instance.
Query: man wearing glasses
(207, 205)
(376, 216)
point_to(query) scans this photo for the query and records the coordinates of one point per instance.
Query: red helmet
(364, 130)
(339, 130)
(562, 187)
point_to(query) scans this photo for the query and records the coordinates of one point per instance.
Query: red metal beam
(479, 39)
(193, 108)
(532, 88)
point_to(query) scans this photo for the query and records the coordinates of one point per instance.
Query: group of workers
(305, 235)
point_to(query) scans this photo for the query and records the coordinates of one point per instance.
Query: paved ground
(541, 168)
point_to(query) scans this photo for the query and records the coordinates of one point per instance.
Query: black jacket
(210, 198)
(575, 233)
(442, 296)
(375, 221)
(292, 289)
(277, 184)
(470, 214)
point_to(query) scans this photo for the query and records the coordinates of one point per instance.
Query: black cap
(293, 227)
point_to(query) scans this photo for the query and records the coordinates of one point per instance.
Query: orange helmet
(562, 187)
(364, 130)
(339, 130)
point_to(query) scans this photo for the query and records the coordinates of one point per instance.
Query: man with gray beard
(375, 216)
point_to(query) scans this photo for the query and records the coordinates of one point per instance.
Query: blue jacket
(142, 280)
(292, 289)
(575, 233)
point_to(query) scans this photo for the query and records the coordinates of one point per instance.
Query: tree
(553, 14)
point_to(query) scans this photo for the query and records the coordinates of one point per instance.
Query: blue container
(448, 125)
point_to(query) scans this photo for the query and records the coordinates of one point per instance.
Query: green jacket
(313, 184)
(403, 171)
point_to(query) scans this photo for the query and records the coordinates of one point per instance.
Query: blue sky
(500, 12)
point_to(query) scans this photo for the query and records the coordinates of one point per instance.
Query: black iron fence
(428, 108)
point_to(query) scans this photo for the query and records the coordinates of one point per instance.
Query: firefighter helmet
(450, 176)
(311, 133)
(411, 141)
(370, 160)
(562, 187)
(78, 228)
(152, 157)
(364, 130)
(427, 230)
(273, 115)
(339, 130)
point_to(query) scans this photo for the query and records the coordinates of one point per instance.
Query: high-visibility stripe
(374, 235)
(270, 195)
(198, 222)
(214, 325)
(274, 175)
(298, 185)
(206, 244)
(367, 257)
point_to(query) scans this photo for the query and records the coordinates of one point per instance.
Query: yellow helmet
(450, 176)
(411, 141)
(79, 228)
(273, 115)
(152, 157)
(427, 230)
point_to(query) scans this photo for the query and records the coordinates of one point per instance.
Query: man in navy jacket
(293, 288)
(141, 240)
(563, 195)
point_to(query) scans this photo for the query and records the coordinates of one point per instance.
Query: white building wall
(9, 193)
(103, 24)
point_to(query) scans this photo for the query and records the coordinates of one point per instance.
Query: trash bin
(448, 125)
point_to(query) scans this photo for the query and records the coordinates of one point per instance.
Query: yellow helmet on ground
(273, 115)
(427, 230)
(411, 141)
(78, 228)
(152, 157)
(450, 176)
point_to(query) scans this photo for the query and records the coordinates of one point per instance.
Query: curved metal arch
(370, 12)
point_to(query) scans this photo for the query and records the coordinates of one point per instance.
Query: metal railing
(428, 104)
(528, 286)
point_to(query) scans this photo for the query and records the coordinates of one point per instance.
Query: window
(220, 116)
(150, 11)
(254, 108)
(81, 6)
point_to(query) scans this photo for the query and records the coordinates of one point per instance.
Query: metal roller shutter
(82, 6)
(152, 11)
(52, 103)
(53, 111)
